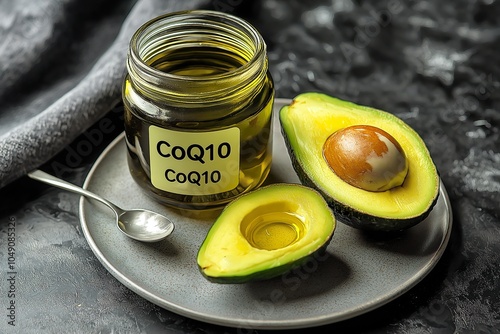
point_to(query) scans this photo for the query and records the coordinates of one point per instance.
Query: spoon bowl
(138, 224)
(144, 225)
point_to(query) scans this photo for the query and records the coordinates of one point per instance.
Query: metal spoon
(138, 224)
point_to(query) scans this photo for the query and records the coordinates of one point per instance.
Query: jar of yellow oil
(198, 101)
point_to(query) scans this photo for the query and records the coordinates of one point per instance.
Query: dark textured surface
(434, 64)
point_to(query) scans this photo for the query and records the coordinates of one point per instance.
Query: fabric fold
(29, 145)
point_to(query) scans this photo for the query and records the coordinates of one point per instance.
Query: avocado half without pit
(372, 168)
(265, 233)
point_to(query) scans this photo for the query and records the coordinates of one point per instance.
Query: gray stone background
(435, 64)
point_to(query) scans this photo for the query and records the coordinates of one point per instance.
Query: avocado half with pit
(265, 233)
(373, 169)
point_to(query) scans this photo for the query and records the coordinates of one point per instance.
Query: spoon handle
(54, 181)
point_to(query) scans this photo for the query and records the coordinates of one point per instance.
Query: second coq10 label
(194, 163)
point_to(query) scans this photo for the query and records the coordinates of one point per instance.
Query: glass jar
(198, 102)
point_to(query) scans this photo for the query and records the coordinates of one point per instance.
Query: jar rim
(154, 74)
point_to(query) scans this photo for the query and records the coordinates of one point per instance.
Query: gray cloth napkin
(41, 111)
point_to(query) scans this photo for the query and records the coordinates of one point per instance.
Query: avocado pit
(366, 157)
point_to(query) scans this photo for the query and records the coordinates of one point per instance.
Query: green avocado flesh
(307, 123)
(265, 233)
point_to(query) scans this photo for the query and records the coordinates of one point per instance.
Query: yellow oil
(197, 61)
(274, 230)
(253, 118)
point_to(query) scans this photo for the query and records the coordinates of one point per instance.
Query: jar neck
(198, 60)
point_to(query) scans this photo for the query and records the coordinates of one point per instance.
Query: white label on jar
(194, 163)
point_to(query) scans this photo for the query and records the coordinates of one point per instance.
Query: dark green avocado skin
(350, 216)
(267, 274)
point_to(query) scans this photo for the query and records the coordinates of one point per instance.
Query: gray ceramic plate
(359, 275)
